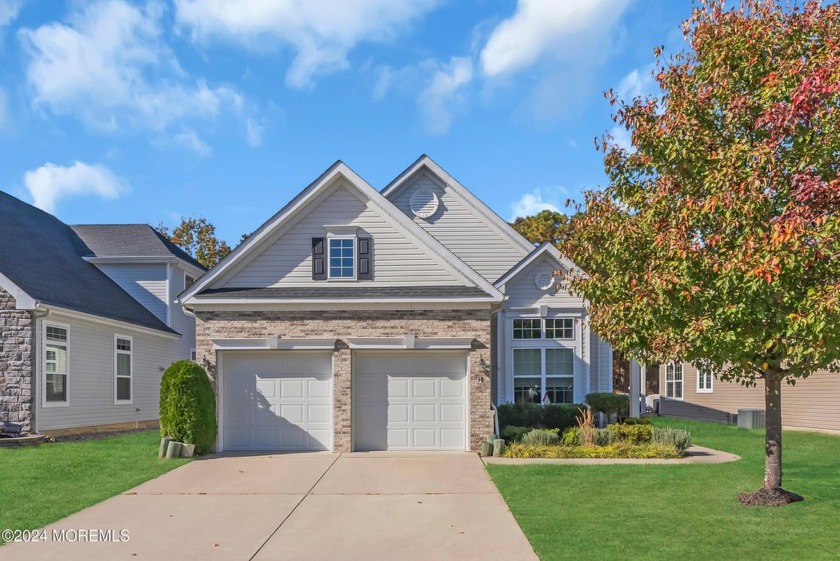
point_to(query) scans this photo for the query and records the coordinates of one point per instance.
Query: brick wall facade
(15, 363)
(342, 324)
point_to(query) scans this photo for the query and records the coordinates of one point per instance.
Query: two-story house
(355, 319)
(88, 321)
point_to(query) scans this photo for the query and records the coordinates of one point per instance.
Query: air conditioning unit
(750, 418)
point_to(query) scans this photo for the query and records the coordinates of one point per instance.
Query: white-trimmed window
(342, 258)
(543, 375)
(705, 380)
(55, 365)
(560, 328)
(549, 328)
(674, 380)
(189, 280)
(123, 368)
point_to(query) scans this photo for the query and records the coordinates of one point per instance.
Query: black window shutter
(365, 257)
(319, 265)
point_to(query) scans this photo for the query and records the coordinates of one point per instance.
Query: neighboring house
(695, 394)
(88, 321)
(360, 320)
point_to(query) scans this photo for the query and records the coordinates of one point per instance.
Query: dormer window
(345, 254)
(342, 259)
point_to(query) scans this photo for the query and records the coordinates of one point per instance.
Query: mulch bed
(769, 497)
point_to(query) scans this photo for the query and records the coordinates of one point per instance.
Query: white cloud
(443, 94)
(188, 138)
(576, 31)
(109, 67)
(639, 82)
(536, 201)
(50, 183)
(320, 32)
(253, 132)
(9, 10)
(622, 137)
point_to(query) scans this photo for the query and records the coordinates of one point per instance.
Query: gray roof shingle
(346, 292)
(43, 257)
(130, 240)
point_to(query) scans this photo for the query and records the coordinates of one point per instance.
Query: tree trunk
(773, 424)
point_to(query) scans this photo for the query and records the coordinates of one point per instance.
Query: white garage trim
(409, 342)
(221, 357)
(439, 427)
(272, 342)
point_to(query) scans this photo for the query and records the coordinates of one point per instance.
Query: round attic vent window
(424, 203)
(544, 280)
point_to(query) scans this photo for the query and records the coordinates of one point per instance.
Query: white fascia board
(546, 248)
(198, 302)
(66, 312)
(409, 342)
(23, 301)
(272, 342)
(320, 305)
(463, 192)
(145, 260)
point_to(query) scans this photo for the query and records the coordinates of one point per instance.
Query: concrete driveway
(367, 506)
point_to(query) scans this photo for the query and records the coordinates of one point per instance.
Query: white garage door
(276, 400)
(407, 400)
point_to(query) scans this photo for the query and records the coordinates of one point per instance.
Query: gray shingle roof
(346, 292)
(129, 240)
(43, 257)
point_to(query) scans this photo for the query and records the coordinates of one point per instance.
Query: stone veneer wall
(343, 324)
(15, 363)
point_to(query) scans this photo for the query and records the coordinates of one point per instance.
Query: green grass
(682, 512)
(41, 484)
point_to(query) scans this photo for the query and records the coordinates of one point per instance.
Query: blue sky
(114, 111)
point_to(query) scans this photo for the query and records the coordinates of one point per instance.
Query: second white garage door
(276, 400)
(406, 400)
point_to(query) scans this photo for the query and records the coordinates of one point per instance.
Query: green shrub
(610, 404)
(667, 436)
(542, 437)
(604, 437)
(188, 406)
(615, 450)
(571, 437)
(637, 421)
(512, 433)
(533, 415)
(634, 434)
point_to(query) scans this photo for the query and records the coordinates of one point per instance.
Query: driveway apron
(298, 506)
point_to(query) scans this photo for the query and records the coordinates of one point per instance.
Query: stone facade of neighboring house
(15, 363)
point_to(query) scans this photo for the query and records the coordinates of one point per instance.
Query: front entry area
(409, 400)
(276, 400)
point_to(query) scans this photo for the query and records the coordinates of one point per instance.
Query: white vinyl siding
(462, 229)
(146, 283)
(91, 379)
(179, 320)
(287, 261)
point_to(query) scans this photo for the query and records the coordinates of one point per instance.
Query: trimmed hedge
(533, 415)
(615, 450)
(188, 406)
(610, 404)
(634, 434)
(512, 433)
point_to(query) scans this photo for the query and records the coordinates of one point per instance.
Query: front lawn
(42, 484)
(682, 511)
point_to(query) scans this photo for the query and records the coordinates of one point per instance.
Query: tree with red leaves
(717, 241)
